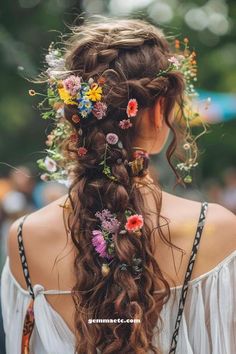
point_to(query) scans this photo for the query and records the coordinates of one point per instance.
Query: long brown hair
(128, 54)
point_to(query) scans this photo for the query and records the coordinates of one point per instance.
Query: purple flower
(111, 225)
(99, 243)
(99, 110)
(104, 214)
(72, 84)
(112, 138)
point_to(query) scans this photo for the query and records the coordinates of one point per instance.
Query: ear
(158, 113)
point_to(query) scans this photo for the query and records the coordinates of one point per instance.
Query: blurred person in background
(214, 191)
(46, 192)
(16, 201)
(229, 193)
(111, 251)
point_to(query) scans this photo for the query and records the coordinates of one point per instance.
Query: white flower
(54, 60)
(66, 182)
(50, 164)
(90, 81)
(56, 64)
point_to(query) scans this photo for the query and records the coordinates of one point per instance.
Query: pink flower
(50, 164)
(82, 151)
(112, 138)
(174, 61)
(72, 84)
(139, 153)
(125, 124)
(134, 223)
(132, 108)
(99, 110)
(99, 243)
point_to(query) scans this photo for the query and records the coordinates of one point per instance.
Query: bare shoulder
(42, 231)
(220, 223)
(218, 239)
(220, 229)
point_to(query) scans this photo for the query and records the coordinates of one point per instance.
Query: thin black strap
(188, 274)
(23, 258)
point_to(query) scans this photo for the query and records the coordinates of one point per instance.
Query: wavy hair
(128, 54)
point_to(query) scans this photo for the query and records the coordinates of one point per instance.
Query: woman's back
(51, 254)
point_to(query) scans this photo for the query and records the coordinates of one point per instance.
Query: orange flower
(132, 108)
(101, 81)
(75, 118)
(134, 223)
(177, 44)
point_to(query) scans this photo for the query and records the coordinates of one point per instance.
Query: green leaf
(48, 115)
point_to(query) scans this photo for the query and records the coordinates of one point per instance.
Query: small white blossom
(50, 164)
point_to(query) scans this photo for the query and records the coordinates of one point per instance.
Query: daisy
(94, 93)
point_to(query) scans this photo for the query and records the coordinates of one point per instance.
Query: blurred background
(27, 27)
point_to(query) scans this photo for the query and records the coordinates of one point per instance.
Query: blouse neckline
(214, 270)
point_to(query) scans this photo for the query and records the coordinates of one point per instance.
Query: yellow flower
(32, 93)
(65, 96)
(95, 93)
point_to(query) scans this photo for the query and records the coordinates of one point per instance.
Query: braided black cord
(188, 274)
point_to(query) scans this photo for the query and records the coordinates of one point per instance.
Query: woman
(116, 245)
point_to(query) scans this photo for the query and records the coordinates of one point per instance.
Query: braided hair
(128, 54)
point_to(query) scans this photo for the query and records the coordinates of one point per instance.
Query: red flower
(132, 108)
(73, 138)
(75, 118)
(134, 223)
(82, 151)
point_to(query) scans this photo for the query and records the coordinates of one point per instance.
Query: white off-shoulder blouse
(199, 318)
(208, 325)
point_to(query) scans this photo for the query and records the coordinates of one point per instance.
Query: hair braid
(128, 54)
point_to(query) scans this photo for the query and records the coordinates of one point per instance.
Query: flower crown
(87, 97)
